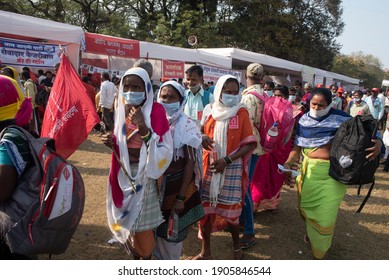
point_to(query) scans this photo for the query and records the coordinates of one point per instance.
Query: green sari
(320, 197)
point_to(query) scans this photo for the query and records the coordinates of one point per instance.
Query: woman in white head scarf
(179, 191)
(228, 142)
(143, 143)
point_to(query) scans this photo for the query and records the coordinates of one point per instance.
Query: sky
(366, 28)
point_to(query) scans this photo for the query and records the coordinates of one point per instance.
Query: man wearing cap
(342, 97)
(375, 104)
(254, 104)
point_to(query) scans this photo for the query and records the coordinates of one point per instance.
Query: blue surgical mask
(171, 108)
(134, 98)
(230, 100)
(269, 93)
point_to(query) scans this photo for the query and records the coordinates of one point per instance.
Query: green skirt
(320, 197)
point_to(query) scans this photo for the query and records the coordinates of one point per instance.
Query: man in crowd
(108, 92)
(197, 97)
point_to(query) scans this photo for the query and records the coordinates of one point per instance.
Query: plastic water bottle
(271, 137)
(273, 131)
(172, 230)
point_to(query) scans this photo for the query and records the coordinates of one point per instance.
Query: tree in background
(303, 31)
(365, 67)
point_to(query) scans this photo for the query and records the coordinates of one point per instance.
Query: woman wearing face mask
(228, 142)
(180, 183)
(268, 88)
(144, 146)
(320, 196)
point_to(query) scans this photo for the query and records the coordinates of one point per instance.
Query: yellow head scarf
(11, 98)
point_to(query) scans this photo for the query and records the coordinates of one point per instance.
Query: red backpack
(275, 110)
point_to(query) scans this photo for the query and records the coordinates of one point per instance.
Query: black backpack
(47, 204)
(348, 163)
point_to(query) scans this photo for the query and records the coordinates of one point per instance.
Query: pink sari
(267, 181)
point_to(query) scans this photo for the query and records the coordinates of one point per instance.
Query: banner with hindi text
(173, 69)
(108, 45)
(214, 73)
(25, 53)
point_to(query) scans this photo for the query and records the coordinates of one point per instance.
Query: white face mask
(319, 113)
(230, 100)
(292, 98)
(195, 89)
(171, 108)
(134, 98)
(356, 99)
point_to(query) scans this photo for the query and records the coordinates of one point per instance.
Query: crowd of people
(187, 153)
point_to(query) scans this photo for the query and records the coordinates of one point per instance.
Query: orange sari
(230, 199)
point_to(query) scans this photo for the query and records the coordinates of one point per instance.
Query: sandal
(247, 242)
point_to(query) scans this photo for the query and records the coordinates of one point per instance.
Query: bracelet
(180, 197)
(227, 160)
(147, 136)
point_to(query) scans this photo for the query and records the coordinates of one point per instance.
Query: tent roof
(32, 27)
(243, 58)
(336, 76)
(157, 51)
(271, 63)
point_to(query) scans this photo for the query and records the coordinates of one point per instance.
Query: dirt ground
(363, 236)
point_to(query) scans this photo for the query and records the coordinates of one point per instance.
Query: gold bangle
(146, 136)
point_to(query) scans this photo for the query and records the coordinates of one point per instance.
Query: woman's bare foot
(199, 257)
(238, 254)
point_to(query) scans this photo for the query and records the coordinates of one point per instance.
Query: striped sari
(229, 201)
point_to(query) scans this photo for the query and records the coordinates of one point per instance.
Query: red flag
(69, 115)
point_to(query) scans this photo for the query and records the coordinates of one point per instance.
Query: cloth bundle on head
(184, 131)
(13, 104)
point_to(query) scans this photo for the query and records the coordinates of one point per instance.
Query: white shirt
(108, 91)
(41, 78)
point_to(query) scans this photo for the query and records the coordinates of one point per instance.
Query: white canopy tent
(243, 58)
(157, 51)
(34, 29)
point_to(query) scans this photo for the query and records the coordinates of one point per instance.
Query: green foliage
(303, 31)
(367, 68)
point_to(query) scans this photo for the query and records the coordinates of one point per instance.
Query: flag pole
(67, 56)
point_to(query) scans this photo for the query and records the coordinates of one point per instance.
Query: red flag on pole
(69, 115)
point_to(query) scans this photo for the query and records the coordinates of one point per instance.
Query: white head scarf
(184, 131)
(123, 220)
(222, 115)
